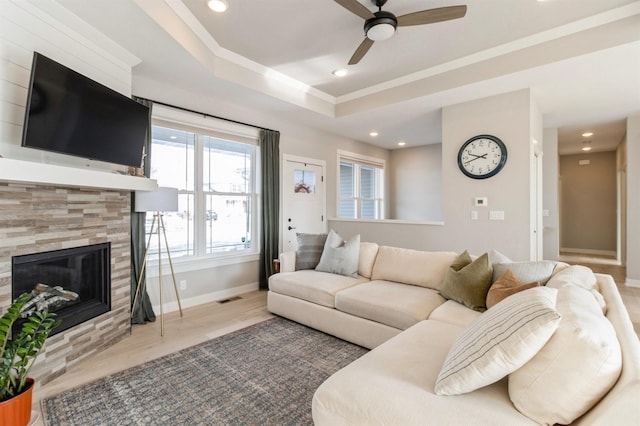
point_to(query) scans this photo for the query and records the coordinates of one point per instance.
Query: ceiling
(580, 58)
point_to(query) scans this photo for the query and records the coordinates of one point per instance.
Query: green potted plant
(19, 348)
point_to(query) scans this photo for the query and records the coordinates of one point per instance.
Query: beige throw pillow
(575, 369)
(468, 282)
(499, 341)
(507, 285)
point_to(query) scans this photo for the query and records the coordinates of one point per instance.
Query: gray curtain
(142, 312)
(270, 164)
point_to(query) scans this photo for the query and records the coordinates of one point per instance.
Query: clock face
(482, 156)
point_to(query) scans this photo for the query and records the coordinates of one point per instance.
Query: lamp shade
(163, 199)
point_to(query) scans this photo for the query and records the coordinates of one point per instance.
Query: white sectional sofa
(393, 306)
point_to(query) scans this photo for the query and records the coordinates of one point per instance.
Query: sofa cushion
(421, 268)
(389, 303)
(507, 285)
(527, 272)
(312, 286)
(454, 313)
(339, 257)
(393, 385)
(368, 254)
(309, 250)
(468, 282)
(499, 341)
(575, 369)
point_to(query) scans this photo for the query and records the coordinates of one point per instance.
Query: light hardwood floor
(208, 321)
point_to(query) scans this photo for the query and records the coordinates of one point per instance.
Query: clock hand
(484, 157)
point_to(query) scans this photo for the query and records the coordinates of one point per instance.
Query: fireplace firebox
(75, 283)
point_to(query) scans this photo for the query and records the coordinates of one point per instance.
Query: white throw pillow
(575, 369)
(582, 277)
(339, 257)
(499, 341)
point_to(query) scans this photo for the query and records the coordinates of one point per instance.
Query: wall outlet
(474, 215)
(183, 284)
(496, 215)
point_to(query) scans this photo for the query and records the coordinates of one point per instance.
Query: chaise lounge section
(394, 306)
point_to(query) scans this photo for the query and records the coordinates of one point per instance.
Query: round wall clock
(482, 156)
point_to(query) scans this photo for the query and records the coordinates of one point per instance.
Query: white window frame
(203, 125)
(362, 160)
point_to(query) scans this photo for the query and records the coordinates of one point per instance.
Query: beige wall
(633, 200)
(507, 116)
(588, 202)
(415, 182)
(551, 206)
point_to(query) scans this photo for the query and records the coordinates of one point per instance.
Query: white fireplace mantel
(49, 174)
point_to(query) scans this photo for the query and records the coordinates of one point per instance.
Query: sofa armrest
(287, 261)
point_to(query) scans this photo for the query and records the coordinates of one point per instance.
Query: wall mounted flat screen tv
(71, 114)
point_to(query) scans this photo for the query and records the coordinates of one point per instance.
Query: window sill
(181, 265)
(389, 221)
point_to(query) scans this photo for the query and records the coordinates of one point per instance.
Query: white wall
(633, 200)
(415, 182)
(25, 28)
(508, 116)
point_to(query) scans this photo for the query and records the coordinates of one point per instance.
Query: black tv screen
(71, 114)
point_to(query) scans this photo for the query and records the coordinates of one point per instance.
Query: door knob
(291, 227)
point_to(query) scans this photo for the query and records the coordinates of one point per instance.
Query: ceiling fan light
(381, 32)
(218, 5)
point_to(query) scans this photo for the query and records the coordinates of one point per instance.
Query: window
(215, 174)
(361, 187)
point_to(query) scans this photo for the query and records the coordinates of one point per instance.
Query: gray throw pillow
(309, 250)
(527, 272)
(339, 257)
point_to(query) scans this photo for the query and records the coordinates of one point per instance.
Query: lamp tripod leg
(159, 216)
(144, 265)
(173, 275)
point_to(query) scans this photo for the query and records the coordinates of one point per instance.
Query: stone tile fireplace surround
(38, 217)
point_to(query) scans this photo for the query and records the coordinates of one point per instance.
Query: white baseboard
(207, 298)
(589, 251)
(632, 283)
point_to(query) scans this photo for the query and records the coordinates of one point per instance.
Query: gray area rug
(264, 374)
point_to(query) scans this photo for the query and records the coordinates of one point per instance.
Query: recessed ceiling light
(218, 5)
(173, 137)
(586, 148)
(401, 143)
(373, 134)
(340, 72)
(587, 134)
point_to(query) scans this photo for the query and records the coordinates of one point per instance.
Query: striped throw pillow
(309, 250)
(499, 341)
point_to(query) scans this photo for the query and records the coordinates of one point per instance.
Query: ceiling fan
(381, 25)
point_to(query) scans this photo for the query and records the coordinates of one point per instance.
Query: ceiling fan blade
(431, 16)
(361, 51)
(357, 8)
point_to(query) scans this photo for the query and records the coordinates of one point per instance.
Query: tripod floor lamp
(162, 200)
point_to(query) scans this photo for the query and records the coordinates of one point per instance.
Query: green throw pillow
(468, 282)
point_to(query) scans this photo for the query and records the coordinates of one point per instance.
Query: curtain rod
(207, 115)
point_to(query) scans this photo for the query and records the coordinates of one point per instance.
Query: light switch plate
(474, 215)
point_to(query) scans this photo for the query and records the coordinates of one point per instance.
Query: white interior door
(303, 195)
